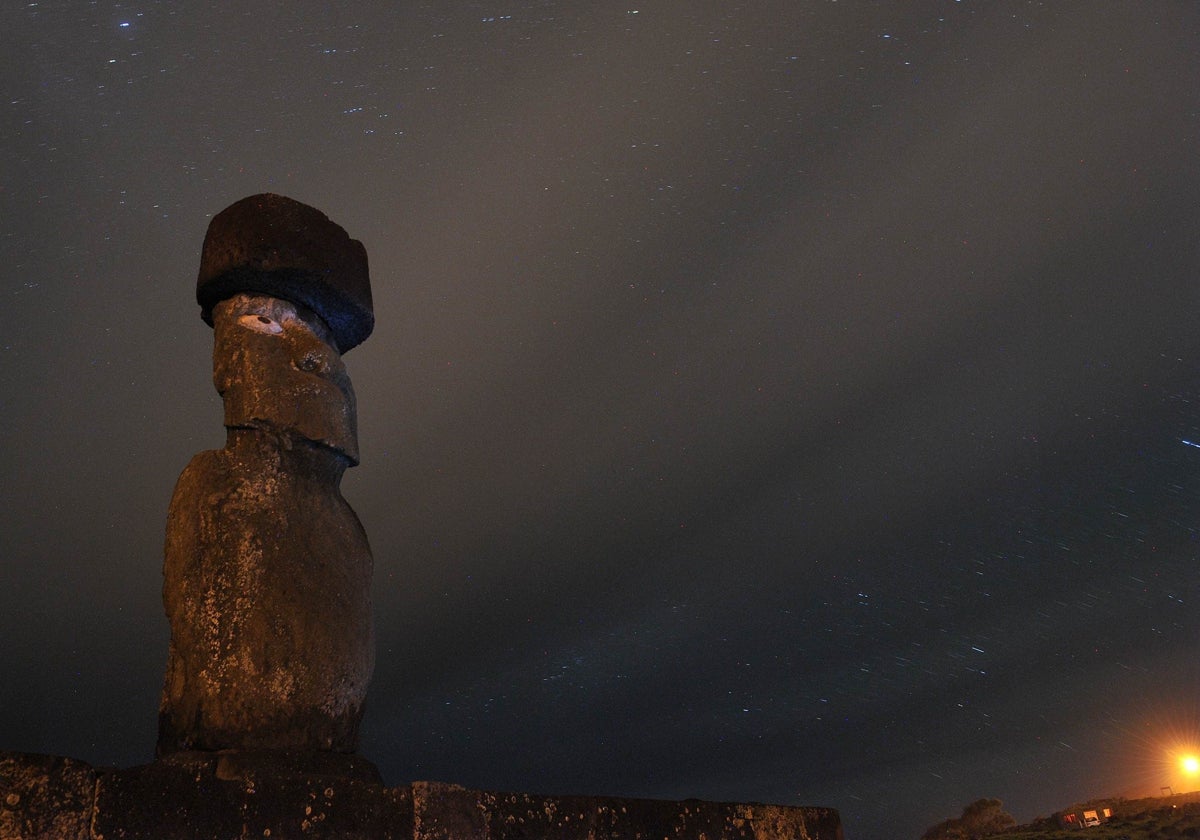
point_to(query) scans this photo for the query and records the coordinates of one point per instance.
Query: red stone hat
(272, 245)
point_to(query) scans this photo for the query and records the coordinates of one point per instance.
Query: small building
(1085, 817)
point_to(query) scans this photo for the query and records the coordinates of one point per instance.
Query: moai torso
(267, 570)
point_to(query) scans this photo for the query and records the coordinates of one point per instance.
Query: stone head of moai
(267, 569)
(278, 370)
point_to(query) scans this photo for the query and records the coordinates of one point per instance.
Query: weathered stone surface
(267, 570)
(276, 246)
(44, 796)
(449, 812)
(165, 799)
(327, 807)
(223, 796)
(210, 797)
(266, 584)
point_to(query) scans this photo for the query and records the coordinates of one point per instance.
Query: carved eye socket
(260, 323)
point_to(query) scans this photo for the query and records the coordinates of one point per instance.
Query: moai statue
(267, 571)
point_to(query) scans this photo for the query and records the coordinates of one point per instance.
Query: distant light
(125, 25)
(1190, 765)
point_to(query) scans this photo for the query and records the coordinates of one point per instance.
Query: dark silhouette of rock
(267, 570)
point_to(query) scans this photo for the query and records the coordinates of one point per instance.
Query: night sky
(780, 401)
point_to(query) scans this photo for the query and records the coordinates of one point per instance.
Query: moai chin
(267, 570)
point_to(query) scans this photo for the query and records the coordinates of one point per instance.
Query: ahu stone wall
(209, 796)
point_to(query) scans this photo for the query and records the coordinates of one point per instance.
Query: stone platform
(214, 796)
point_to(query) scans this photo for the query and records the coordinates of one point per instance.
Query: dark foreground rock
(213, 796)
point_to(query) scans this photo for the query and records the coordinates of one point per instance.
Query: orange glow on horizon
(1157, 753)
